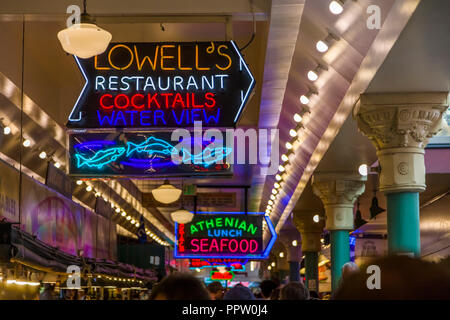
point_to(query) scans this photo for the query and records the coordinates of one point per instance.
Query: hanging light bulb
(26, 143)
(84, 39)
(293, 133)
(321, 46)
(298, 118)
(166, 193)
(182, 216)
(336, 7)
(289, 145)
(312, 75)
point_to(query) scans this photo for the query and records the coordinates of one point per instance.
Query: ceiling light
(133, 221)
(26, 143)
(84, 39)
(316, 218)
(89, 188)
(274, 191)
(182, 216)
(363, 170)
(321, 46)
(166, 193)
(289, 145)
(117, 209)
(97, 194)
(268, 211)
(298, 118)
(269, 268)
(123, 214)
(336, 7)
(43, 155)
(278, 177)
(269, 207)
(284, 157)
(6, 130)
(312, 75)
(293, 133)
(128, 218)
(270, 202)
(57, 165)
(272, 196)
(79, 182)
(276, 185)
(304, 99)
(137, 224)
(294, 243)
(281, 168)
(273, 264)
(281, 254)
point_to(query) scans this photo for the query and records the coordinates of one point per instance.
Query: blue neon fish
(101, 158)
(150, 146)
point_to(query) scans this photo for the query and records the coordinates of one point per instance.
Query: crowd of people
(401, 278)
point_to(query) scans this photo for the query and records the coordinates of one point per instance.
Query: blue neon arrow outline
(82, 91)
(265, 254)
(250, 87)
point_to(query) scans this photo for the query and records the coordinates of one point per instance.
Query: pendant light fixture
(166, 193)
(84, 39)
(182, 216)
(359, 221)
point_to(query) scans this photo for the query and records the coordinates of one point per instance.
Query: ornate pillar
(399, 125)
(338, 192)
(311, 232)
(294, 253)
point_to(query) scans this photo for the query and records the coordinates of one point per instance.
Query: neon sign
(168, 84)
(217, 275)
(143, 153)
(223, 235)
(232, 263)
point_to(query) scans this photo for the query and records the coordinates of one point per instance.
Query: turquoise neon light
(152, 146)
(101, 158)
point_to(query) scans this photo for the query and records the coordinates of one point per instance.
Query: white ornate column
(399, 125)
(338, 192)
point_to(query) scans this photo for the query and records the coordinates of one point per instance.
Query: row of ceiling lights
(27, 143)
(322, 46)
(118, 210)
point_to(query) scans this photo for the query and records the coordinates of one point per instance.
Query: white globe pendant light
(84, 39)
(182, 216)
(166, 193)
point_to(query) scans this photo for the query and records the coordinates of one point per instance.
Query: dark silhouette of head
(215, 289)
(401, 277)
(294, 291)
(239, 292)
(180, 286)
(267, 287)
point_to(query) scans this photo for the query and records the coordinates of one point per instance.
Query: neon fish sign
(142, 85)
(140, 153)
(223, 235)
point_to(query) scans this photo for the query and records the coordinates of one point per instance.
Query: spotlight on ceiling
(323, 45)
(166, 193)
(6, 130)
(84, 39)
(43, 155)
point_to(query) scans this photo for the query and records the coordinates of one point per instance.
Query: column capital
(310, 231)
(399, 125)
(338, 193)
